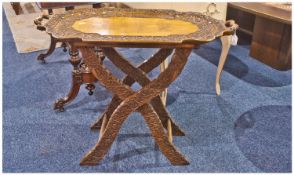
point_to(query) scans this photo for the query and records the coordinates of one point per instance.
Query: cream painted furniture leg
(163, 66)
(226, 43)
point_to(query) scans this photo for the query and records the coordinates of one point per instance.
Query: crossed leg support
(135, 101)
(139, 75)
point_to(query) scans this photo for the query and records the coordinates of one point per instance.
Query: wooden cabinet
(267, 27)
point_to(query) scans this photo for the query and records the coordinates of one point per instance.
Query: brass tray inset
(133, 26)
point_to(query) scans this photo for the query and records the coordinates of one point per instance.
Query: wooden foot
(135, 101)
(226, 43)
(74, 90)
(52, 47)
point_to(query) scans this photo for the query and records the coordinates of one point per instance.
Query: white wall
(182, 6)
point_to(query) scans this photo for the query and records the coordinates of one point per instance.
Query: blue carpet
(246, 129)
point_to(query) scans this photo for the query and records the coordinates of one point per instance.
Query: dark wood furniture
(78, 81)
(67, 5)
(171, 31)
(41, 57)
(16, 7)
(267, 26)
(53, 5)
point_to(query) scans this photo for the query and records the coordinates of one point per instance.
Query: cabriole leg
(77, 80)
(51, 49)
(226, 43)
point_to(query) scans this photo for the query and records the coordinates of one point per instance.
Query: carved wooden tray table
(95, 32)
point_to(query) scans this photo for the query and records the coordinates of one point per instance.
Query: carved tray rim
(60, 26)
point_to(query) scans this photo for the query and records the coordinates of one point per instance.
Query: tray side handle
(38, 22)
(231, 27)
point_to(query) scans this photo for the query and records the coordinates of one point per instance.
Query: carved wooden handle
(38, 22)
(231, 27)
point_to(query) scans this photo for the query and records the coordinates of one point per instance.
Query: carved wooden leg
(77, 80)
(139, 76)
(136, 101)
(226, 43)
(147, 66)
(64, 47)
(104, 123)
(52, 47)
(143, 80)
(99, 54)
(16, 7)
(50, 11)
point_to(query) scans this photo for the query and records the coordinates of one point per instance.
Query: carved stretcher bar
(177, 33)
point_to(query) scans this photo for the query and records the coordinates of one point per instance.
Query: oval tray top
(133, 26)
(130, 26)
